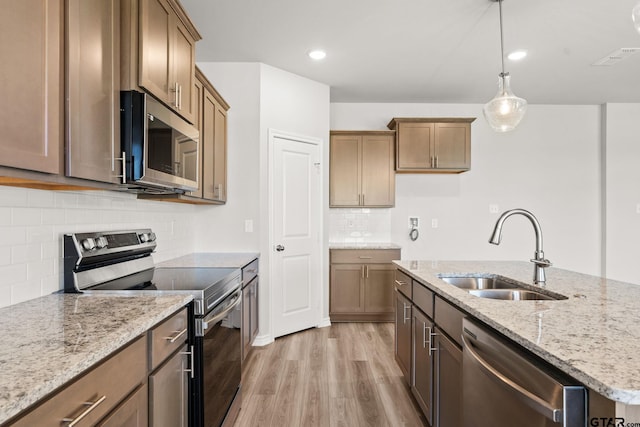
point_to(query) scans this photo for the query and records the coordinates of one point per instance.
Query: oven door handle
(214, 318)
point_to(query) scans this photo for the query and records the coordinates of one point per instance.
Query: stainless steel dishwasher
(504, 386)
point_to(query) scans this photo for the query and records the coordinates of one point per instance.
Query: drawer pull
(365, 257)
(175, 337)
(400, 283)
(71, 422)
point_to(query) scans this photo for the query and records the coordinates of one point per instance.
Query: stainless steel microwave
(160, 149)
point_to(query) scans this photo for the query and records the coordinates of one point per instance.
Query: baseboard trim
(262, 340)
(324, 322)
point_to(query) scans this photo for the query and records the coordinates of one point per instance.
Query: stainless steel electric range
(121, 261)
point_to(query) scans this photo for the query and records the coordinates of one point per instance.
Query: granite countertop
(211, 260)
(363, 245)
(50, 340)
(592, 336)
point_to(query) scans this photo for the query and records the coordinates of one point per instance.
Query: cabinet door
(378, 288)
(422, 363)
(253, 304)
(220, 154)
(346, 288)
(448, 369)
(245, 326)
(133, 412)
(378, 175)
(168, 393)
(403, 336)
(156, 21)
(453, 145)
(93, 88)
(31, 116)
(414, 146)
(198, 101)
(208, 145)
(183, 59)
(345, 170)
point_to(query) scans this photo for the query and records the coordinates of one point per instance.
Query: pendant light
(635, 16)
(505, 110)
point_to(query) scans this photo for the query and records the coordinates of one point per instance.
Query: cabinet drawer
(403, 284)
(249, 272)
(105, 386)
(364, 256)
(167, 337)
(423, 298)
(449, 319)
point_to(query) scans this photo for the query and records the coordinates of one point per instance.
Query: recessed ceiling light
(317, 54)
(517, 55)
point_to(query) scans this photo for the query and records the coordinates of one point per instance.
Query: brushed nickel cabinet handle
(431, 335)
(404, 312)
(175, 337)
(400, 283)
(193, 366)
(123, 159)
(71, 422)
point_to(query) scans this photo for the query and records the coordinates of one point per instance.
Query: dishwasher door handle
(525, 396)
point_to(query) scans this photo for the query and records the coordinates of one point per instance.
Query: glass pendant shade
(635, 15)
(505, 110)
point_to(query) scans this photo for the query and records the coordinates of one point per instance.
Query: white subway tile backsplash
(33, 222)
(359, 225)
(10, 236)
(5, 216)
(26, 216)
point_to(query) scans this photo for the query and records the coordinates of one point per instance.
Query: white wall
(549, 165)
(32, 223)
(261, 98)
(622, 191)
(222, 228)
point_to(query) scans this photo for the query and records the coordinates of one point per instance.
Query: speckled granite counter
(211, 260)
(50, 340)
(363, 245)
(593, 335)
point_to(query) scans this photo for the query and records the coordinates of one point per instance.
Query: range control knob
(89, 244)
(144, 237)
(152, 237)
(101, 242)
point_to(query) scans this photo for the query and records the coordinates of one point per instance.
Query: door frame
(318, 142)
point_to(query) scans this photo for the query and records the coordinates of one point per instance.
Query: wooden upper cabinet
(432, 145)
(166, 65)
(93, 85)
(213, 133)
(361, 169)
(31, 83)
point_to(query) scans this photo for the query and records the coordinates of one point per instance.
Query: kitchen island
(51, 340)
(592, 335)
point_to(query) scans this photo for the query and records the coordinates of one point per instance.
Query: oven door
(218, 346)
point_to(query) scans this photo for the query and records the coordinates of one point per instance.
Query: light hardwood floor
(342, 375)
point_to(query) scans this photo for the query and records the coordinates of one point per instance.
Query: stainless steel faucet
(540, 262)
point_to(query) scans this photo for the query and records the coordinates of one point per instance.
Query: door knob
(279, 248)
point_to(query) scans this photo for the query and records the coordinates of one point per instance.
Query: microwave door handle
(525, 396)
(216, 317)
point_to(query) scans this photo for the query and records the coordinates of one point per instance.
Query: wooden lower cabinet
(168, 392)
(133, 412)
(428, 351)
(448, 382)
(403, 335)
(105, 387)
(422, 362)
(361, 285)
(249, 316)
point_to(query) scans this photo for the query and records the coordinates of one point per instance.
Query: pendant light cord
(501, 41)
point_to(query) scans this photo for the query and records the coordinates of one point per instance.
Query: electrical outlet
(493, 208)
(638, 208)
(414, 222)
(434, 223)
(248, 226)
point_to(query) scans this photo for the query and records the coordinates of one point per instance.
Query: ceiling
(445, 51)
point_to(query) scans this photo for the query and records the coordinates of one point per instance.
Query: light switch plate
(248, 226)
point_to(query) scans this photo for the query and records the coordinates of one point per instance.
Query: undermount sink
(510, 294)
(497, 287)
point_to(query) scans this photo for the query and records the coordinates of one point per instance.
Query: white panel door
(295, 235)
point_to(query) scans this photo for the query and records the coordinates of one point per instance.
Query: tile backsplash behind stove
(356, 225)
